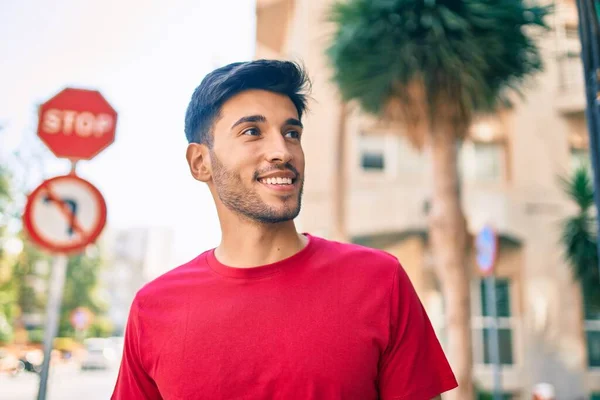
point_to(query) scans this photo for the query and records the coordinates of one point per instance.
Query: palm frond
(467, 54)
(579, 188)
(579, 236)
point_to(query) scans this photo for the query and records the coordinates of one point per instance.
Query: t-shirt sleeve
(413, 366)
(133, 382)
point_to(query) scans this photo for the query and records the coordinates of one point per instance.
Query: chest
(278, 343)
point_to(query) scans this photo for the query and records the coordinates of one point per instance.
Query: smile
(276, 181)
(279, 182)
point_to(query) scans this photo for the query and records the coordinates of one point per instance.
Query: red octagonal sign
(77, 124)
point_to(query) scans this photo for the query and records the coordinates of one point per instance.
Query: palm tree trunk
(448, 236)
(339, 185)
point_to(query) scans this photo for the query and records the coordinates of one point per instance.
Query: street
(66, 382)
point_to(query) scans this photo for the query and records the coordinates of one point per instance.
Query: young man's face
(257, 160)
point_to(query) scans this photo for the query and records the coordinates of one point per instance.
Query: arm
(413, 366)
(133, 382)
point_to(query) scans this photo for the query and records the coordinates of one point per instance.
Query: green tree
(5, 192)
(579, 237)
(6, 200)
(7, 310)
(432, 65)
(29, 287)
(81, 288)
(28, 284)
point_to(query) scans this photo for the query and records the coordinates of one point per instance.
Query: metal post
(493, 343)
(590, 55)
(594, 97)
(57, 283)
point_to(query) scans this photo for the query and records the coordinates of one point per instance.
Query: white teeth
(277, 181)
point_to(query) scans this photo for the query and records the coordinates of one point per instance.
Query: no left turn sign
(65, 214)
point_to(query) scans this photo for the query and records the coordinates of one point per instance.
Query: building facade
(509, 166)
(136, 256)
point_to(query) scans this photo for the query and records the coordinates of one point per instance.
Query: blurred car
(30, 361)
(100, 353)
(117, 342)
(9, 363)
(28, 366)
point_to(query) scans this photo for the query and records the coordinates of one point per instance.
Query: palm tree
(432, 65)
(579, 236)
(340, 232)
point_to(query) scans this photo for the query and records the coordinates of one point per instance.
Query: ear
(199, 161)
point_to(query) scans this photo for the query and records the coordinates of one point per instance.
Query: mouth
(279, 183)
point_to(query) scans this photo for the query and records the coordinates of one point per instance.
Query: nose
(277, 150)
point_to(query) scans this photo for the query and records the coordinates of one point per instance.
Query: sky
(146, 58)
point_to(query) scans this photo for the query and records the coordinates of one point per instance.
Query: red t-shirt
(334, 321)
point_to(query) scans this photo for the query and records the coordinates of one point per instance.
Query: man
(271, 313)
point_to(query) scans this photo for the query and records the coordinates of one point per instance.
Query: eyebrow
(262, 118)
(249, 118)
(294, 122)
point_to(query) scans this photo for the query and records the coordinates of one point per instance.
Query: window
(502, 298)
(482, 162)
(592, 332)
(372, 150)
(483, 322)
(569, 60)
(505, 344)
(593, 347)
(372, 160)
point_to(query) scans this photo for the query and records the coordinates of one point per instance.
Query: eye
(293, 135)
(251, 132)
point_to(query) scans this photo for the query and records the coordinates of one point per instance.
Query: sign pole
(57, 283)
(487, 249)
(589, 33)
(80, 334)
(66, 213)
(493, 343)
(73, 167)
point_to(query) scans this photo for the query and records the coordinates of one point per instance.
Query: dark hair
(284, 77)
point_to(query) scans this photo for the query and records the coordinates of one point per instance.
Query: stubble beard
(246, 202)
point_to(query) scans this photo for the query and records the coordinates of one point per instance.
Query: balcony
(566, 11)
(571, 88)
(570, 98)
(273, 18)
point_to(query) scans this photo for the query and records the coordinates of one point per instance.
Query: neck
(247, 244)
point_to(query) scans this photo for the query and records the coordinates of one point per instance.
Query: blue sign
(486, 247)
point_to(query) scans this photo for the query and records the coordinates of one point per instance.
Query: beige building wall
(510, 170)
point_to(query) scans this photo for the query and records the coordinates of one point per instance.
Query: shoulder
(351, 250)
(359, 258)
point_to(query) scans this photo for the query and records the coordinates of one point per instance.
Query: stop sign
(77, 124)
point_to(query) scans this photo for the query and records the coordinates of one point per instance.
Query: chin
(282, 214)
(286, 209)
(273, 218)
